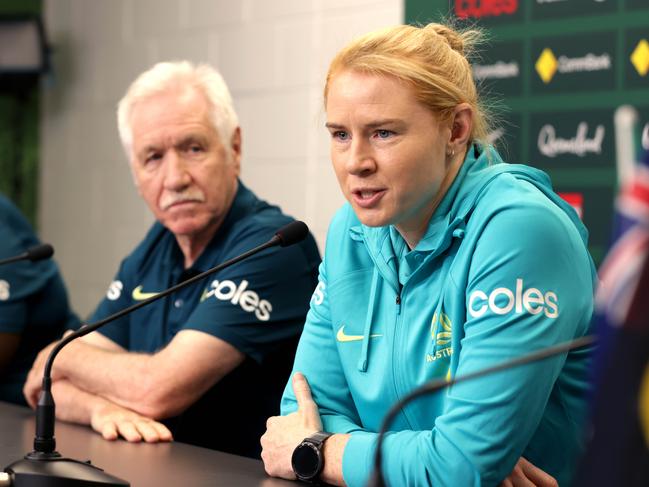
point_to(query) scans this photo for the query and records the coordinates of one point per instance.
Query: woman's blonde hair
(432, 59)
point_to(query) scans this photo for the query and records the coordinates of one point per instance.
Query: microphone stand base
(38, 469)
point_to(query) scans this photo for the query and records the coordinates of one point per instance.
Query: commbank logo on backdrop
(640, 57)
(478, 9)
(579, 63)
(497, 70)
(547, 65)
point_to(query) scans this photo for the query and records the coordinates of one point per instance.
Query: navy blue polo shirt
(33, 301)
(258, 306)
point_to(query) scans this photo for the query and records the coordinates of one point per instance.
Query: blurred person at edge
(34, 308)
(445, 261)
(189, 364)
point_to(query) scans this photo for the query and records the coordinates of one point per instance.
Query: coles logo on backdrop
(477, 9)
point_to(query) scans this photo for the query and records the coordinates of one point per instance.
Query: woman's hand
(284, 433)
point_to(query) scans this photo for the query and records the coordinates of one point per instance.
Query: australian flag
(618, 452)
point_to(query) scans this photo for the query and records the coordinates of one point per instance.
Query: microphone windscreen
(292, 233)
(40, 252)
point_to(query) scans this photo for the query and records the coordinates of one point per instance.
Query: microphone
(44, 466)
(292, 233)
(376, 480)
(37, 252)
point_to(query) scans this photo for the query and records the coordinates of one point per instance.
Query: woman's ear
(461, 126)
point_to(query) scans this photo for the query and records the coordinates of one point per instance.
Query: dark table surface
(143, 465)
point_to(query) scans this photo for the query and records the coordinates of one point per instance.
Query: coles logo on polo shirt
(114, 290)
(502, 301)
(247, 299)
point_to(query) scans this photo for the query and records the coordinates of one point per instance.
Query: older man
(210, 360)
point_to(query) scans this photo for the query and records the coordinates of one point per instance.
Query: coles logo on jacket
(503, 300)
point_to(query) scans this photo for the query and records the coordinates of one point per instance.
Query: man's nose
(177, 175)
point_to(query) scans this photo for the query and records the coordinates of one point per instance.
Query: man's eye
(340, 135)
(152, 157)
(384, 134)
(195, 149)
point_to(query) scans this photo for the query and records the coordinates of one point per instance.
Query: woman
(445, 261)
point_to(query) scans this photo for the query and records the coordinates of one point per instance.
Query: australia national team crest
(441, 334)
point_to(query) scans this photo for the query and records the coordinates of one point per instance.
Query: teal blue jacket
(502, 270)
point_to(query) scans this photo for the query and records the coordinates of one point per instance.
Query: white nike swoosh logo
(342, 337)
(138, 295)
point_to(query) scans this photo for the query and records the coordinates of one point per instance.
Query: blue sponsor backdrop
(558, 71)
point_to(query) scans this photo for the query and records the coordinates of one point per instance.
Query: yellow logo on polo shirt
(138, 295)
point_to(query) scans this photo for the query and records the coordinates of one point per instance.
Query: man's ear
(235, 148)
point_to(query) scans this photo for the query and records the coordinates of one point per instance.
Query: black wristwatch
(308, 460)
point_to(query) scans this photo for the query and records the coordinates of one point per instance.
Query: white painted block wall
(273, 55)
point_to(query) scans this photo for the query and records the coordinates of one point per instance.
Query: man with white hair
(208, 363)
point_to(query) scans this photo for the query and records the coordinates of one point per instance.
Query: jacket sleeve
(317, 358)
(529, 286)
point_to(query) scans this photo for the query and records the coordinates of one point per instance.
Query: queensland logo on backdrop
(239, 294)
(441, 332)
(583, 143)
(518, 299)
(573, 139)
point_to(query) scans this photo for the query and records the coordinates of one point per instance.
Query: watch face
(306, 461)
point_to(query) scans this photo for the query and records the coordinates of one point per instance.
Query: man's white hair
(166, 76)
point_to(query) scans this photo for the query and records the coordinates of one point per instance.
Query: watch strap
(318, 438)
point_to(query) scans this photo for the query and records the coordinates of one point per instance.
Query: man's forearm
(73, 404)
(120, 377)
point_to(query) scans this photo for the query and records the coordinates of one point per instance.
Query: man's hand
(284, 433)
(112, 421)
(32, 387)
(527, 475)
